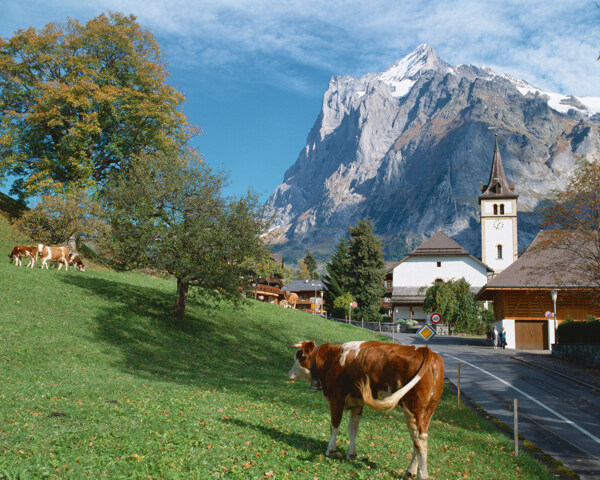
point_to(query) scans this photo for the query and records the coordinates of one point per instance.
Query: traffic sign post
(435, 318)
(452, 327)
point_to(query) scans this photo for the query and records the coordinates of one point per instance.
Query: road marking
(553, 412)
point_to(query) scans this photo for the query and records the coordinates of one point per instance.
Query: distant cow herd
(55, 255)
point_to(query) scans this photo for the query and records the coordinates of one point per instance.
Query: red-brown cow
(24, 251)
(77, 262)
(55, 254)
(379, 375)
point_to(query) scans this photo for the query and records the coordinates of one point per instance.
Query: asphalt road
(556, 414)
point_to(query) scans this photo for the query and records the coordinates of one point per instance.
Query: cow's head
(302, 361)
(40, 248)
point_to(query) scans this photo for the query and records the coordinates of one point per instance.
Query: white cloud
(548, 43)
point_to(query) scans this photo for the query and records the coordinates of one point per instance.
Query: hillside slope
(98, 382)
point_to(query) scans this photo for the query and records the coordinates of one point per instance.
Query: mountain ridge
(410, 146)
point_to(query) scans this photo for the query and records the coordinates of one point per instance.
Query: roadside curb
(568, 377)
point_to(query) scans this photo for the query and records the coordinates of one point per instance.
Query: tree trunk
(182, 292)
(72, 244)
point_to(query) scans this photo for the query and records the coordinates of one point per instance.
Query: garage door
(531, 335)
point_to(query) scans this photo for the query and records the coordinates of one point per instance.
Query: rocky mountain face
(410, 148)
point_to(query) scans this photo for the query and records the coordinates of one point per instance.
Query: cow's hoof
(351, 456)
(315, 385)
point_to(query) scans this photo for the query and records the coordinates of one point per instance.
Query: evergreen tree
(367, 270)
(311, 264)
(336, 276)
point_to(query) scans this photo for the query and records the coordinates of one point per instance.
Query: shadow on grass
(208, 348)
(314, 448)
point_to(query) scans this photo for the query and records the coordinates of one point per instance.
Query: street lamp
(554, 293)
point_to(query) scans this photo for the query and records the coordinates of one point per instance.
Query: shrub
(581, 332)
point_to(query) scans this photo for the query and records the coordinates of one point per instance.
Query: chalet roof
(305, 286)
(389, 266)
(497, 186)
(439, 244)
(537, 268)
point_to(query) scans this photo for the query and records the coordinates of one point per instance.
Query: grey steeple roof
(497, 186)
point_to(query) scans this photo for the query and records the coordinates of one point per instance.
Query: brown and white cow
(60, 255)
(20, 251)
(381, 376)
(77, 262)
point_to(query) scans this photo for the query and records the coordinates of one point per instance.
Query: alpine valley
(411, 147)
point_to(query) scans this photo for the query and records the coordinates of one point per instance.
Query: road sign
(354, 304)
(435, 318)
(426, 332)
(452, 325)
(548, 314)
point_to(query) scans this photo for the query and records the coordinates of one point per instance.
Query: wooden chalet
(523, 301)
(310, 295)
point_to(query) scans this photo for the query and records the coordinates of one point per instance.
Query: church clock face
(498, 224)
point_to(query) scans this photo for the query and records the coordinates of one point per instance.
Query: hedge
(572, 332)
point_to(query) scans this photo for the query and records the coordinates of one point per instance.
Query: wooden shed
(522, 295)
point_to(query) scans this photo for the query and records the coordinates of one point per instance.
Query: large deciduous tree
(455, 302)
(367, 270)
(171, 216)
(78, 101)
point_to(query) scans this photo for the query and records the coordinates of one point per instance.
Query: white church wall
(423, 271)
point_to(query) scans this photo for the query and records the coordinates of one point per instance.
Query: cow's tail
(390, 402)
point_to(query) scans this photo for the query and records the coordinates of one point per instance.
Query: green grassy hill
(98, 382)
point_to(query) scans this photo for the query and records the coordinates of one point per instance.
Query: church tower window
(499, 252)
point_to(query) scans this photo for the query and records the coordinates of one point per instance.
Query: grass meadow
(98, 382)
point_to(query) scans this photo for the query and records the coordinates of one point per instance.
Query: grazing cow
(77, 262)
(291, 298)
(381, 376)
(24, 251)
(55, 254)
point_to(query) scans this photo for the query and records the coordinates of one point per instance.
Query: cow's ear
(308, 347)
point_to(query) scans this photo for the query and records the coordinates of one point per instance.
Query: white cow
(55, 254)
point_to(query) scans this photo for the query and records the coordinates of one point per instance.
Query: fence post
(458, 403)
(516, 426)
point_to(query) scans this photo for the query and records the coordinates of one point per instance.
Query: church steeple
(497, 186)
(498, 203)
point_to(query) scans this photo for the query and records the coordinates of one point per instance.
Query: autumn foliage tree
(573, 222)
(78, 101)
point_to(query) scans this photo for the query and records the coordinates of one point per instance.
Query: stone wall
(586, 355)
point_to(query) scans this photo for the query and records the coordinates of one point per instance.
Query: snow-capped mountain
(410, 147)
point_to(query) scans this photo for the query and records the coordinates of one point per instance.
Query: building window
(439, 264)
(501, 209)
(495, 209)
(438, 281)
(499, 252)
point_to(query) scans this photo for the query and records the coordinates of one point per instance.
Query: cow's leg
(355, 416)
(418, 433)
(337, 411)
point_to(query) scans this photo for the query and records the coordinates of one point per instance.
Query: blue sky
(254, 72)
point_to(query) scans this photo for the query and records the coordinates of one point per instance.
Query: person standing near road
(503, 338)
(495, 337)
